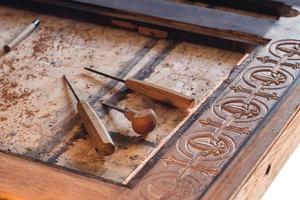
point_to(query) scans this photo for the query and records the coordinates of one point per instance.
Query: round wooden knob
(143, 122)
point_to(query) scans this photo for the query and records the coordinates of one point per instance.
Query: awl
(154, 91)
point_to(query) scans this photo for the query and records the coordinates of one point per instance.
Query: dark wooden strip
(238, 170)
(289, 2)
(267, 7)
(96, 18)
(179, 16)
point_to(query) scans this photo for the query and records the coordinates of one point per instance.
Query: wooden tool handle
(97, 132)
(142, 122)
(160, 93)
(21, 36)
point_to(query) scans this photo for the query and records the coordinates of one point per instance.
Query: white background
(286, 186)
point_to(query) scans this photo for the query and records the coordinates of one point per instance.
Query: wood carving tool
(154, 91)
(96, 130)
(21, 36)
(142, 122)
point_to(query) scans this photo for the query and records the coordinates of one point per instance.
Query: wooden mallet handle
(98, 134)
(160, 93)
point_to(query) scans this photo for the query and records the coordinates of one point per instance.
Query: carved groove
(200, 153)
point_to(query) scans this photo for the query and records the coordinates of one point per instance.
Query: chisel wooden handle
(160, 93)
(21, 36)
(98, 134)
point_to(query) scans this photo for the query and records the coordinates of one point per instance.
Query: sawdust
(10, 94)
(41, 45)
(30, 76)
(2, 119)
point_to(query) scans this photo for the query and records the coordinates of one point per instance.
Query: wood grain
(275, 143)
(97, 132)
(63, 142)
(197, 153)
(179, 16)
(161, 93)
(33, 181)
(268, 7)
(272, 162)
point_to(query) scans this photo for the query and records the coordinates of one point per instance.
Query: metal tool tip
(36, 22)
(65, 78)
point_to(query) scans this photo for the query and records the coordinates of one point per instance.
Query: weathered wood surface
(41, 123)
(194, 166)
(269, 8)
(249, 27)
(264, 173)
(27, 180)
(189, 167)
(270, 148)
(289, 2)
(168, 167)
(179, 16)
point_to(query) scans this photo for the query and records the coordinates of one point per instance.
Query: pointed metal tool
(154, 91)
(98, 134)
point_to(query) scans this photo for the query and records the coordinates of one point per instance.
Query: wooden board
(269, 8)
(50, 131)
(188, 156)
(193, 19)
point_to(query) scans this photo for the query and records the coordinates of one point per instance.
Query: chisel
(142, 122)
(154, 91)
(98, 134)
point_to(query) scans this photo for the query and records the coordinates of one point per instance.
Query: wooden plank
(53, 133)
(198, 178)
(174, 71)
(7, 196)
(179, 16)
(250, 176)
(289, 2)
(272, 162)
(37, 65)
(198, 163)
(267, 7)
(24, 179)
(143, 189)
(32, 124)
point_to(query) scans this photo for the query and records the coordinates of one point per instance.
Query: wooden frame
(191, 169)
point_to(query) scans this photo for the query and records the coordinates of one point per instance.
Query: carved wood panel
(200, 154)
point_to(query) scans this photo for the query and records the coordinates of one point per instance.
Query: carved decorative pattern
(286, 49)
(166, 185)
(212, 123)
(267, 59)
(240, 109)
(203, 150)
(267, 78)
(205, 146)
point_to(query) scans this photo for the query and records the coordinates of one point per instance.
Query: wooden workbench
(243, 75)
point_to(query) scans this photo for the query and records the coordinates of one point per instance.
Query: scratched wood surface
(212, 154)
(38, 115)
